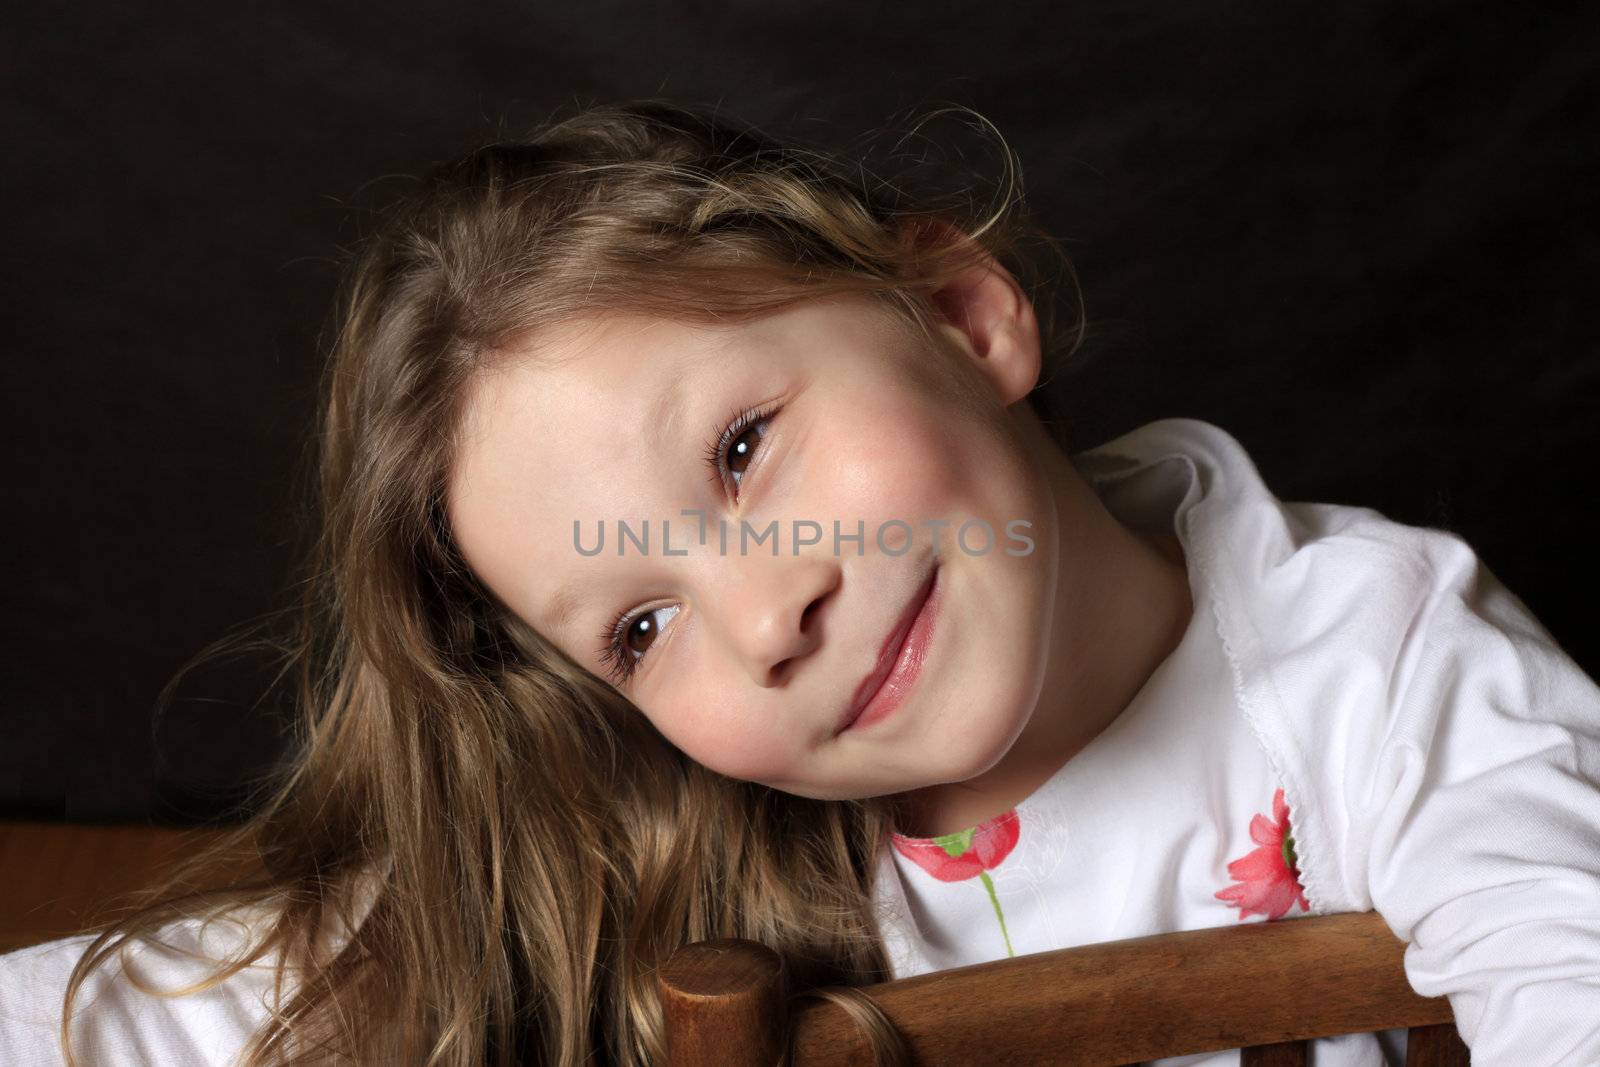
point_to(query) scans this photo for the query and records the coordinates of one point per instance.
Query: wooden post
(723, 1003)
(1439, 1045)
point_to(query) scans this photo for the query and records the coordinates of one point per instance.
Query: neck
(1122, 605)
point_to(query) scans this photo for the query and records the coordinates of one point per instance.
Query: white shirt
(1438, 757)
(116, 1025)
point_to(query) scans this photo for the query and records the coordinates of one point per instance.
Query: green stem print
(998, 914)
(969, 853)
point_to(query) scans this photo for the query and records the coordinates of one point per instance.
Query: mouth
(899, 659)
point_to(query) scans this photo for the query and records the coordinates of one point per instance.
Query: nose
(771, 618)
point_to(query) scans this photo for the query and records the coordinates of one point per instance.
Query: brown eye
(733, 448)
(744, 446)
(640, 634)
(634, 638)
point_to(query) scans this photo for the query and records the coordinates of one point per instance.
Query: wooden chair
(60, 877)
(1264, 987)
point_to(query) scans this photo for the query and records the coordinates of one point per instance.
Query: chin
(982, 743)
(830, 792)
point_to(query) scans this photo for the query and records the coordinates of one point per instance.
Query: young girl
(695, 561)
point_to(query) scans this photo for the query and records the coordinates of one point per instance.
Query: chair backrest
(1265, 988)
(60, 877)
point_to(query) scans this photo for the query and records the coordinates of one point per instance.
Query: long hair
(509, 845)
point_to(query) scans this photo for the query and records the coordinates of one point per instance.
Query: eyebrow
(660, 415)
(564, 605)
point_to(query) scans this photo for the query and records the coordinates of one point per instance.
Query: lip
(899, 660)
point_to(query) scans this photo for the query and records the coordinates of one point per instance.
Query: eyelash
(619, 665)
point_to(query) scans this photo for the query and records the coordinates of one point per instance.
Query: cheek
(724, 736)
(882, 463)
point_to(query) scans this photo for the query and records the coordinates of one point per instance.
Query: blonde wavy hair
(533, 848)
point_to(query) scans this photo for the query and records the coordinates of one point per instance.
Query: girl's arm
(114, 1023)
(1483, 810)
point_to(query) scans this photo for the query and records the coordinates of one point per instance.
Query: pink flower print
(1268, 879)
(974, 851)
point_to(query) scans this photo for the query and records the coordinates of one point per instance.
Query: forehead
(616, 397)
(592, 359)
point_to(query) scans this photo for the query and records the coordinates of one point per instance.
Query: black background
(1360, 237)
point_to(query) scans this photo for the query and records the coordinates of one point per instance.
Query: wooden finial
(723, 1003)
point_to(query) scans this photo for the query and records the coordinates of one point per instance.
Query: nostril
(806, 614)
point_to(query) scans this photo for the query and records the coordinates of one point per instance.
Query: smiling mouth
(894, 665)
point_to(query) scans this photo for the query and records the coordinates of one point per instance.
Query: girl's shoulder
(1382, 665)
(1334, 620)
(119, 1015)
(1301, 589)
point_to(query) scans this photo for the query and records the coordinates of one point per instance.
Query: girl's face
(749, 661)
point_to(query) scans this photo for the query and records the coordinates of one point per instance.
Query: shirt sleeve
(114, 1023)
(1483, 812)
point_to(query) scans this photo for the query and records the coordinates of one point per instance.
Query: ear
(987, 314)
